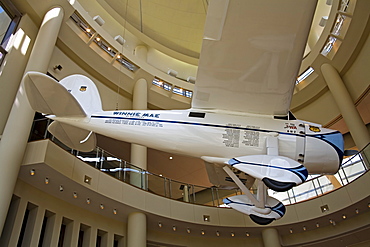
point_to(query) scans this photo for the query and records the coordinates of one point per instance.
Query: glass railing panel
(157, 185)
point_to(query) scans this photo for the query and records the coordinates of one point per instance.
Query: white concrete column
(346, 106)
(15, 136)
(52, 231)
(71, 234)
(16, 227)
(139, 153)
(136, 230)
(90, 237)
(33, 227)
(270, 237)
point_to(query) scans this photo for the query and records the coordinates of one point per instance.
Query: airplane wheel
(278, 186)
(259, 220)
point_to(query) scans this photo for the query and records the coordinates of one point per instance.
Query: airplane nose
(324, 151)
(335, 139)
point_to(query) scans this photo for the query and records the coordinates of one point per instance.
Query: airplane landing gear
(261, 208)
(260, 220)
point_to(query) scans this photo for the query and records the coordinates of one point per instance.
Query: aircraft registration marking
(134, 122)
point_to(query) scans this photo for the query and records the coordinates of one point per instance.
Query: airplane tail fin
(75, 95)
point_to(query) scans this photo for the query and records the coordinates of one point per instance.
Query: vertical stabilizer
(84, 91)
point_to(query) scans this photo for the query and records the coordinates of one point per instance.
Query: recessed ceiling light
(101, 206)
(46, 180)
(32, 172)
(87, 179)
(188, 230)
(114, 211)
(88, 201)
(75, 194)
(171, 157)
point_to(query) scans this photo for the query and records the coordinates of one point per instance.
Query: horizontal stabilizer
(47, 96)
(73, 137)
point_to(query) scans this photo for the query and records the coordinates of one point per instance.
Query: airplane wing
(251, 54)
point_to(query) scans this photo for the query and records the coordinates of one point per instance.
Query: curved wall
(63, 169)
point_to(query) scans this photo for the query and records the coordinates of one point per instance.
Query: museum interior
(143, 55)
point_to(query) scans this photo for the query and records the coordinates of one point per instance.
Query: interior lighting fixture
(46, 180)
(317, 225)
(291, 230)
(58, 67)
(191, 79)
(88, 201)
(357, 211)
(75, 195)
(368, 205)
(32, 172)
(217, 233)
(232, 234)
(247, 234)
(114, 211)
(120, 39)
(174, 228)
(101, 206)
(98, 39)
(88, 30)
(109, 48)
(99, 20)
(172, 72)
(344, 216)
(188, 230)
(304, 228)
(118, 56)
(61, 188)
(159, 224)
(87, 179)
(206, 218)
(324, 208)
(171, 157)
(323, 21)
(202, 232)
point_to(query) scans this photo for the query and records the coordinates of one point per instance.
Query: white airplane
(240, 117)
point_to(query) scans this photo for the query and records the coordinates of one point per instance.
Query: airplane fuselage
(210, 134)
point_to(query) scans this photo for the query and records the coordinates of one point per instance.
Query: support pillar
(346, 106)
(17, 129)
(138, 152)
(136, 230)
(270, 237)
